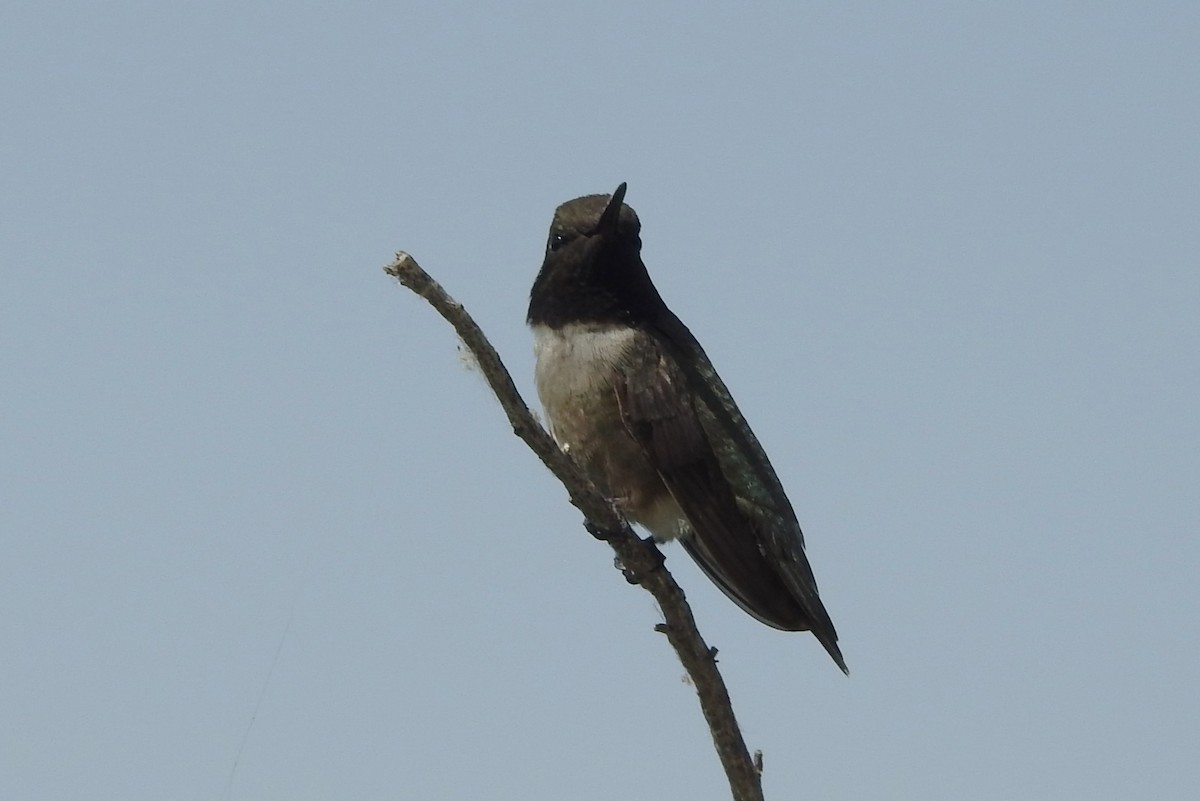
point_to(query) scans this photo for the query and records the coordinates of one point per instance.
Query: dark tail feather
(760, 593)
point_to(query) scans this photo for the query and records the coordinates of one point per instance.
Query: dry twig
(641, 560)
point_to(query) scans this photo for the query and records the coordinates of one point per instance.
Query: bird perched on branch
(632, 397)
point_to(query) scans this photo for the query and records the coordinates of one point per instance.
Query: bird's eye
(557, 241)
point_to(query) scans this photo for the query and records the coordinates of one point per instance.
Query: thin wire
(261, 695)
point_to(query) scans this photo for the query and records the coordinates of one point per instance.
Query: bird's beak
(612, 212)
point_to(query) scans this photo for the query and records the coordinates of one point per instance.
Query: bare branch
(641, 561)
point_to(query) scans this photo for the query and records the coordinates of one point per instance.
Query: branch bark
(641, 560)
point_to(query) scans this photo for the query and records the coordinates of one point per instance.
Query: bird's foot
(655, 555)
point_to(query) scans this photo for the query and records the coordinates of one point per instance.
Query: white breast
(575, 369)
(577, 361)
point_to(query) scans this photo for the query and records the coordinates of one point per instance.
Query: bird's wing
(749, 543)
(659, 411)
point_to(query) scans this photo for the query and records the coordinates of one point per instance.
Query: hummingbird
(630, 394)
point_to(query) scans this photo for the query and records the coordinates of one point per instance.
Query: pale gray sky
(969, 231)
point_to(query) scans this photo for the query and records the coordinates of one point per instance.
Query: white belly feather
(574, 377)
